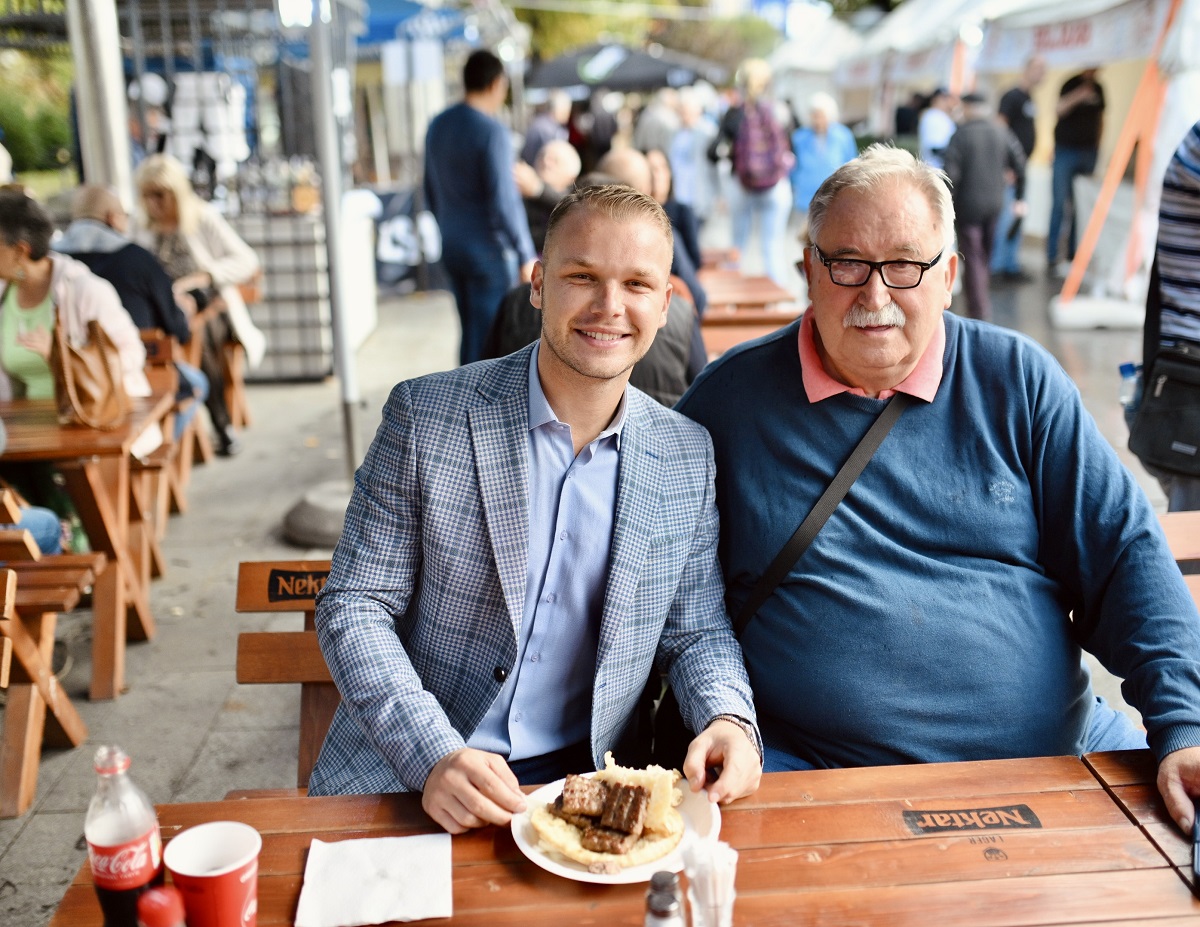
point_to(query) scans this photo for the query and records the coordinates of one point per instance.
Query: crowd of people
(158, 270)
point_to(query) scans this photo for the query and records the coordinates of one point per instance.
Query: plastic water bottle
(1131, 375)
(123, 839)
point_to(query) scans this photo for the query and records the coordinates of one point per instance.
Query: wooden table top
(1056, 840)
(35, 434)
(731, 289)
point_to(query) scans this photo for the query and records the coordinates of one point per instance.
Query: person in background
(937, 126)
(96, 236)
(205, 259)
(486, 246)
(683, 219)
(6, 162)
(695, 178)
(1173, 301)
(820, 147)
(980, 157)
(554, 171)
(1080, 112)
(1018, 112)
(528, 539)
(761, 157)
(549, 124)
(939, 614)
(657, 124)
(42, 287)
(908, 114)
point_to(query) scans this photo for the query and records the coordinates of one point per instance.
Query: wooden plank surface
(1123, 767)
(279, 585)
(824, 847)
(1183, 534)
(280, 657)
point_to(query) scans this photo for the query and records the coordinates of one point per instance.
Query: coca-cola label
(130, 865)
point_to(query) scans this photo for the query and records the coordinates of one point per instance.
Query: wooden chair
(32, 691)
(288, 656)
(1183, 534)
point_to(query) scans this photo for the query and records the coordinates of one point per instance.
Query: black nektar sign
(1008, 817)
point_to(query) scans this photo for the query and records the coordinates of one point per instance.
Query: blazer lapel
(639, 499)
(499, 429)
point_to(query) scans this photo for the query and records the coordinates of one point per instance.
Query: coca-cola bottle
(124, 844)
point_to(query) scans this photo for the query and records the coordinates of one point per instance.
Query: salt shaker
(663, 910)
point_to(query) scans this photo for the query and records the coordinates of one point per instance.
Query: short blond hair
(615, 200)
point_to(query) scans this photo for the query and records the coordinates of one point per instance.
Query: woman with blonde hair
(205, 258)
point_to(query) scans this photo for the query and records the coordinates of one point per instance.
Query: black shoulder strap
(830, 499)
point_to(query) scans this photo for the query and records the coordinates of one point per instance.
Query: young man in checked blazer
(528, 538)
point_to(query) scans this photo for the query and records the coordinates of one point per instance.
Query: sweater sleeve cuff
(1175, 737)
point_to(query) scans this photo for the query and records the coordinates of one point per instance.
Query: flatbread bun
(663, 829)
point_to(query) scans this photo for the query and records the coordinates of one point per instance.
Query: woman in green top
(42, 289)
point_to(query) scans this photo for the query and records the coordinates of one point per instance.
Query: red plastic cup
(215, 868)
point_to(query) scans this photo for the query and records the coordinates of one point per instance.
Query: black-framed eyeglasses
(897, 275)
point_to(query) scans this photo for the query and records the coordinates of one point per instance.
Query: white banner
(857, 73)
(1121, 33)
(932, 66)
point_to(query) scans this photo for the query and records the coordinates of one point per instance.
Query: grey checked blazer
(419, 620)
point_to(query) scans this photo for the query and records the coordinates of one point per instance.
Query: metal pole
(320, 45)
(100, 94)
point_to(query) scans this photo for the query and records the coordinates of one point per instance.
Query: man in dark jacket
(96, 236)
(978, 159)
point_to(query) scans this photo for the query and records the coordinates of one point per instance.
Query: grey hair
(876, 167)
(824, 103)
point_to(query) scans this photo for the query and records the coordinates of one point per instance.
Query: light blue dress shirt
(546, 702)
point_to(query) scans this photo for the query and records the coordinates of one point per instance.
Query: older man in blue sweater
(940, 612)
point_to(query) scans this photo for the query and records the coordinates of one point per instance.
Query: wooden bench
(288, 656)
(32, 690)
(1183, 534)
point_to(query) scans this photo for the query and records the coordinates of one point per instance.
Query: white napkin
(376, 880)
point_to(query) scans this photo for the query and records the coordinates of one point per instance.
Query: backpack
(761, 156)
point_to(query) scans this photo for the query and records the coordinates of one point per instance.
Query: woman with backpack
(760, 158)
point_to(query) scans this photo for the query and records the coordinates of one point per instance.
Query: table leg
(100, 490)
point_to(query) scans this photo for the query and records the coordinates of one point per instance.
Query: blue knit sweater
(931, 620)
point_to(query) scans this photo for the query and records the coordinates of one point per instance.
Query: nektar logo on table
(1006, 817)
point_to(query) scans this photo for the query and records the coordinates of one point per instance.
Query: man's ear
(536, 281)
(951, 274)
(808, 266)
(662, 319)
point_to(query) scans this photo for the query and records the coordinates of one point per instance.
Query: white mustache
(890, 315)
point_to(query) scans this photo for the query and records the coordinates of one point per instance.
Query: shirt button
(500, 674)
(563, 536)
(516, 716)
(551, 597)
(535, 658)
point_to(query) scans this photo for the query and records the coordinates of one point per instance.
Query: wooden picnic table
(1056, 840)
(96, 466)
(730, 289)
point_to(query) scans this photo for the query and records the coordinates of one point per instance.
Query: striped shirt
(1179, 244)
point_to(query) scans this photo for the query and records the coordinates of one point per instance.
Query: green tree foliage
(34, 108)
(728, 42)
(555, 32)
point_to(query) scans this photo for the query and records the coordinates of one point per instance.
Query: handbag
(89, 386)
(658, 708)
(1166, 428)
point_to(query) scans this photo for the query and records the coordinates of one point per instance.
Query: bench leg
(108, 635)
(234, 359)
(25, 714)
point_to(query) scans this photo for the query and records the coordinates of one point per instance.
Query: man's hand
(470, 788)
(723, 746)
(1179, 785)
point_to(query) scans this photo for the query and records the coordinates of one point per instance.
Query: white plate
(701, 818)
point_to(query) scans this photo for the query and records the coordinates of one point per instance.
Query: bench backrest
(1183, 534)
(289, 656)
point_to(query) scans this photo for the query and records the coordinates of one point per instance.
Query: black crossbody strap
(830, 499)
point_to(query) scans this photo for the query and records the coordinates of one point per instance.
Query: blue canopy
(388, 20)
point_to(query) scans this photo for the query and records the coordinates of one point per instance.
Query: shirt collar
(923, 382)
(541, 414)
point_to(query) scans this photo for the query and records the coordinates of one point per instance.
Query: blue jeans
(1108, 729)
(769, 208)
(192, 382)
(45, 527)
(1069, 163)
(1006, 252)
(480, 285)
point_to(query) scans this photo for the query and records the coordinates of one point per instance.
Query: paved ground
(192, 732)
